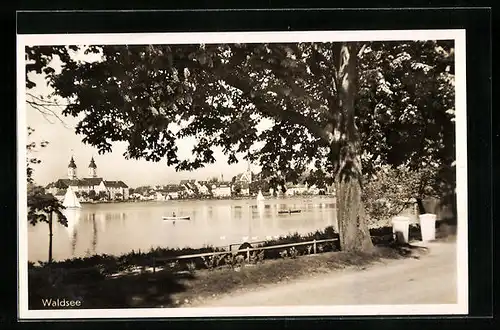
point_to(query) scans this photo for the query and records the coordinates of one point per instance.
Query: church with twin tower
(72, 169)
(84, 185)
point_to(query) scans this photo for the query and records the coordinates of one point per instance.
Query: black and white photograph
(242, 173)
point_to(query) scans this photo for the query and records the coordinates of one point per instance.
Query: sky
(64, 143)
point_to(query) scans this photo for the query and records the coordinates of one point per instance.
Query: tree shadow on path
(96, 291)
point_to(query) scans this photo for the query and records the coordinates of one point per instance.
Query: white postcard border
(461, 308)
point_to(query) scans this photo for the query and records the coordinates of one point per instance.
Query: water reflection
(73, 218)
(119, 228)
(102, 222)
(94, 233)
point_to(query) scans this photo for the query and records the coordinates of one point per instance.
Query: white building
(168, 192)
(203, 188)
(221, 189)
(189, 187)
(295, 189)
(243, 181)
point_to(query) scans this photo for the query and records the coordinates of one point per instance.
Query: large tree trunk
(353, 229)
(50, 237)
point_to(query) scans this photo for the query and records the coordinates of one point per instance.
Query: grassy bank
(93, 280)
(109, 264)
(167, 288)
(209, 285)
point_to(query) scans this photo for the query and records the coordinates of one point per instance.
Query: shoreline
(235, 198)
(138, 255)
(108, 282)
(379, 235)
(190, 288)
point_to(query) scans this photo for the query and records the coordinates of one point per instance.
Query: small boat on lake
(289, 211)
(176, 218)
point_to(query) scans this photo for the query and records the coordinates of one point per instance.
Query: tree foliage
(406, 108)
(256, 185)
(31, 160)
(325, 102)
(392, 190)
(103, 195)
(218, 93)
(41, 205)
(92, 194)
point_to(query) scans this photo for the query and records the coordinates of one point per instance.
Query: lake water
(118, 228)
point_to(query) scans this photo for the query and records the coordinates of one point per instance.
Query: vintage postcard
(242, 174)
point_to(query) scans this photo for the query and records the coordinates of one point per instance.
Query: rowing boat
(176, 218)
(289, 211)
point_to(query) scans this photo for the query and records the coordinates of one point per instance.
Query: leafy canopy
(42, 205)
(153, 95)
(406, 107)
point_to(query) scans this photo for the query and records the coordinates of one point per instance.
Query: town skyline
(59, 131)
(64, 143)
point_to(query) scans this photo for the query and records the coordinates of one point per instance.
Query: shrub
(391, 190)
(191, 266)
(283, 253)
(230, 259)
(234, 259)
(257, 256)
(293, 252)
(213, 261)
(327, 233)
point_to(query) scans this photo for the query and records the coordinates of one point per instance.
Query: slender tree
(41, 208)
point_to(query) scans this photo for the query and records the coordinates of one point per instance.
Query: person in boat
(173, 214)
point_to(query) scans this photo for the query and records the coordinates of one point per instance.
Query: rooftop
(115, 184)
(65, 183)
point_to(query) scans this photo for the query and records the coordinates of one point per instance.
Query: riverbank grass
(119, 282)
(167, 288)
(212, 284)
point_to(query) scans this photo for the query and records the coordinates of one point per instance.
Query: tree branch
(273, 110)
(43, 107)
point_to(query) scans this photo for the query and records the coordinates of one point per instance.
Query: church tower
(72, 169)
(92, 169)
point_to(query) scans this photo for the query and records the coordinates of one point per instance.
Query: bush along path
(97, 284)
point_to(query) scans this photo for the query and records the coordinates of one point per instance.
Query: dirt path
(428, 280)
